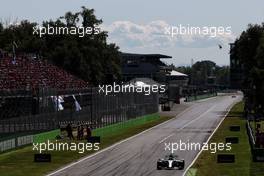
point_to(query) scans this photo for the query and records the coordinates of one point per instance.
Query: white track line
(185, 172)
(112, 146)
(166, 138)
(198, 117)
(189, 123)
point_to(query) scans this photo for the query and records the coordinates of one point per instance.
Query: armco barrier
(15, 142)
(7, 145)
(257, 153)
(18, 141)
(111, 129)
(24, 140)
(199, 97)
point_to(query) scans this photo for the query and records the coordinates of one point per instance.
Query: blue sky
(138, 20)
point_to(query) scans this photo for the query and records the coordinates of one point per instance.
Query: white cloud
(127, 34)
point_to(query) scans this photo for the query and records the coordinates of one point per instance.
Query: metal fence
(47, 109)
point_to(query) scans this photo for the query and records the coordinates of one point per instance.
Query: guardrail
(257, 153)
(87, 105)
(199, 97)
(19, 141)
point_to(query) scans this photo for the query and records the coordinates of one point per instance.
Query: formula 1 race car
(170, 162)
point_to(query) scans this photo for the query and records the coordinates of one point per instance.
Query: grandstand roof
(176, 73)
(155, 56)
(142, 82)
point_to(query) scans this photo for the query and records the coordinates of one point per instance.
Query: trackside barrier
(7, 145)
(199, 97)
(51, 135)
(15, 142)
(257, 153)
(89, 106)
(20, 141)
(24, 140)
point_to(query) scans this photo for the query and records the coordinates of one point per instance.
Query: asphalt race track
(138, 155)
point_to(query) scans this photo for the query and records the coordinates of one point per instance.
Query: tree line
(201, 72)
(90, 57)
(249, 50)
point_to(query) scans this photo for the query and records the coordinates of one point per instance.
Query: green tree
(90, 57)
(201, 70)
(249, 49)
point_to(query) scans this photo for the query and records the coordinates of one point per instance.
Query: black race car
(170, 162)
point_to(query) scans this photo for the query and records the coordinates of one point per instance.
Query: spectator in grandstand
(258, 138)
(78, 132)
(35, 102)
(261, 140)
(81, 132)
(88, 132)
(28, 73)
(1, 54)
(69, 131)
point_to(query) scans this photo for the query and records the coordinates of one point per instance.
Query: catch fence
(47, 109)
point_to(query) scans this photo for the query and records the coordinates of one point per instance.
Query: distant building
(176, 81)
(177, 78)
(236, 70)
(148, 66)
(141, 65)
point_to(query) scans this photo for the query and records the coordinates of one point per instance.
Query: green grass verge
(42, 137)
(115, 128)
(20, 162)
(206, 164)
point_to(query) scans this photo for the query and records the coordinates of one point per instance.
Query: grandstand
(26, 73)
(22, 80)
(38, 96)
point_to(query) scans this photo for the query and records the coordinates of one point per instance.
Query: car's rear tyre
(182, 166)
(158, 168)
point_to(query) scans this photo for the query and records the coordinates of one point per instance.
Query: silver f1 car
(170, 162)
